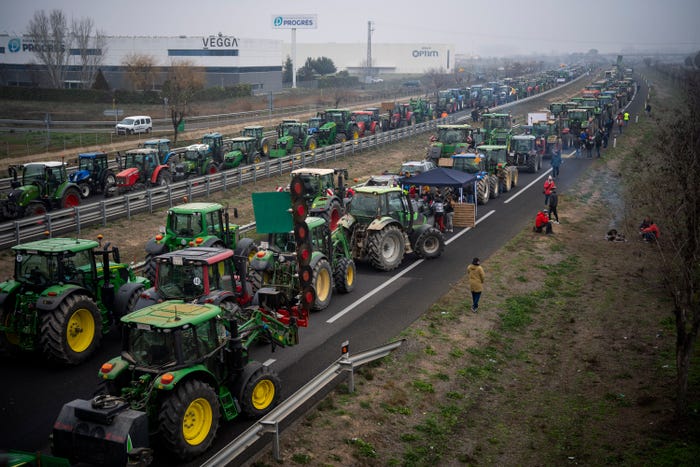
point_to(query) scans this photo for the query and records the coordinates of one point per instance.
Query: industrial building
(225, 59)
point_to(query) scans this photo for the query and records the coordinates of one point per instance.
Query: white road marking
(376, 290)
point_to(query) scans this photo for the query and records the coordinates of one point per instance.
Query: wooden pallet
(465, 215)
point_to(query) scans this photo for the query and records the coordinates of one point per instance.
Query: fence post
(272, 426)
(76, 211)
(149, 197)
(104, 213)
(223, 181)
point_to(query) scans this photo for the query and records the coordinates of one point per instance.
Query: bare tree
(91, 49)
(51, 43)
(184, 79)
(140, 71)
(438, 78)
(674, 158)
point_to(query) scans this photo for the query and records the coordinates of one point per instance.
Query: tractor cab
(162, 146)
(255, 131)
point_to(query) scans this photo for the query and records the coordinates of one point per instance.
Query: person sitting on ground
(542, 222)
(651, 233)
(645, 223)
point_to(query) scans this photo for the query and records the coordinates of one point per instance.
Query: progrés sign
(294, 21)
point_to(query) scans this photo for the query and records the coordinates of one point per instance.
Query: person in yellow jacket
(476, 282)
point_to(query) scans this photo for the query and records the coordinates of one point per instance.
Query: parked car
(413, 168)
(136, 124)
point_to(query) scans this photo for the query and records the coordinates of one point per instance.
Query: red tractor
(402, 116)
(139, 169)
(366, 122)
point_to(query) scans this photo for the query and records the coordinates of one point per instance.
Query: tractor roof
(456, 127)
(362, 112)
(312, 171)
(377, 190)
(242, 138)
(91, 155)
(523, 137)
(188, 208)
(197, 147)
(492, 147)
(196, 255)
(57, 245)
(216, 134)
(314, 222)
(50, 164)
(337, 110)
(172, 314)
(495, 115)
(466, 155)
(156, 141)
(142, 151)
(252, 127)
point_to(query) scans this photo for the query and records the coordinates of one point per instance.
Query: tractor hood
(79, 176)
(126, 173)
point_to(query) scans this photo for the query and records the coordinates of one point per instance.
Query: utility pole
(369, 51)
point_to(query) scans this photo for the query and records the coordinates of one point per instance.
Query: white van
(137, 124)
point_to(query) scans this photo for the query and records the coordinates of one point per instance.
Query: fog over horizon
(493, 28)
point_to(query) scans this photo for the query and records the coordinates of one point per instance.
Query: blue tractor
(93, 173)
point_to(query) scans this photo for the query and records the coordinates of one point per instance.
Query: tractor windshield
(86, 163)
(184, 282)
(243, 146)
(364, 205)
(522, 145)
(451, 136)
(363, 118)
(36, 269)
(469, 165)
(496, 155)
(32, 173)
(192, 155)
(186, 224)
(151, 349)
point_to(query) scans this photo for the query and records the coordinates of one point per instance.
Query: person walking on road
(555, 162)
(476, 282)
(598, 141)
(553, 202)
(626, 118)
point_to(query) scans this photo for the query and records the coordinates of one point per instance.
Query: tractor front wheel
(260, 393)
(189, 419)
(385, 248)
(514, 178)
(163, 178)
(333, 214)
(71, 332)
(344, 275)
(84, 190)
(482, 191)
(323, 284)
(494, 186)
(311, 144)
(430, 244)
(35, 208)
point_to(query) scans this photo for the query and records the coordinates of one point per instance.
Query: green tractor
(183, 367)
(292, 138)
(382, 224)
(45, 186)
(421, 109)
(241, 152)
(324, 197)
(498, 128)
(203, 275)
(475, 164)
(64, 296)
(188, 225)
(195, 161)
(523, 153)
(262, 143)
(346, 128)
(451, 139)
(501, 173)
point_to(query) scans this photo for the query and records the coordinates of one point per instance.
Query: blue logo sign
(14, 45)
(278, 21)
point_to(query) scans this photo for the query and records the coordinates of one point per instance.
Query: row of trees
(312, 68)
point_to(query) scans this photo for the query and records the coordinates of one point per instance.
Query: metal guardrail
(75, 219)
(270, 422)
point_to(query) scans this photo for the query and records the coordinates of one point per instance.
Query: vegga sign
(294, 22)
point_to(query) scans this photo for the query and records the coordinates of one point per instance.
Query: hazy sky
(484, 27)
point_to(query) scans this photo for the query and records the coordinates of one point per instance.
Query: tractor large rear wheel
(340, 138)
(70, 198)
(260, 393)
(189, 419)
(494, 191)
(323, 284)
(514, 177)
(344, 275)
(386, 248)
(430, 244)
(482, 191)
(71, 332)
(8, 340)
